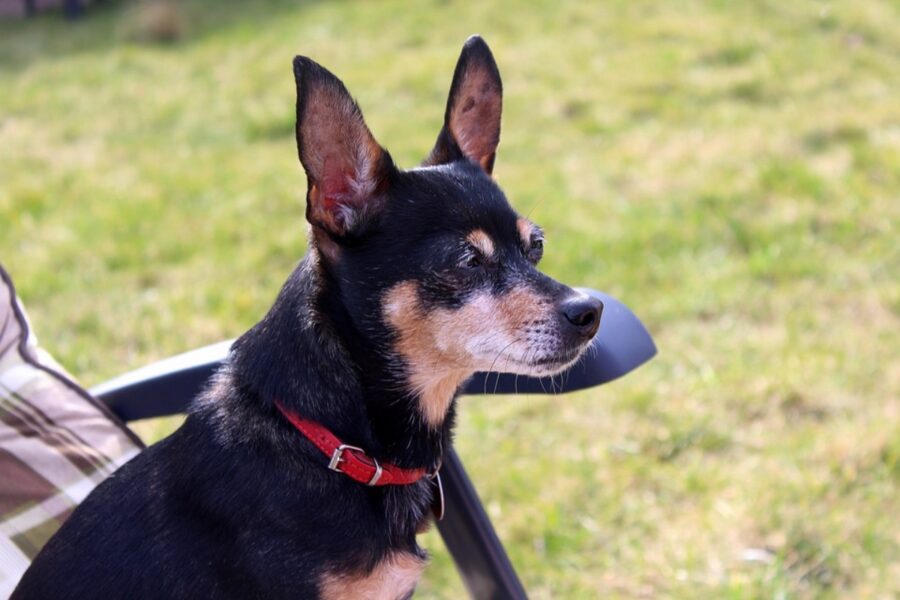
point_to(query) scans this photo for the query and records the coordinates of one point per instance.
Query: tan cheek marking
(525, 228)
(437, 345)
(482, 242)
(434, 346)
(394, 577)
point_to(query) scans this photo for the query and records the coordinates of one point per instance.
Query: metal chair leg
(470, 537)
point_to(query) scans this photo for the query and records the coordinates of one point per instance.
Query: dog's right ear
(347, 170)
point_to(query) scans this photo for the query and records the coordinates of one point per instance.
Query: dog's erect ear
(472, 120)
(346, 169)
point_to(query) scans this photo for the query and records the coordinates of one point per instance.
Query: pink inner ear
(475, 119)
(342, 160)
(335, 193)
(335, 185)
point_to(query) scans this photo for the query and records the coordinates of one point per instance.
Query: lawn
(729, 170)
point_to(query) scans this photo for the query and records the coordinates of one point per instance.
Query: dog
(305, 469)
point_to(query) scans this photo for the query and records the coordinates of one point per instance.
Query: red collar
(350, 460)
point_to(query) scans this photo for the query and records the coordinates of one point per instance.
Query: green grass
(729, 170)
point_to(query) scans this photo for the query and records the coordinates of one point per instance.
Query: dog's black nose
(584, 314)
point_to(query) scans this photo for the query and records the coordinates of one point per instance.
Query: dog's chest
(393, 578)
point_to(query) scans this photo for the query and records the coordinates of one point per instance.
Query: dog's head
(432, 265)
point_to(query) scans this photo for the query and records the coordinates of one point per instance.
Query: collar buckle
(352, 461)
(338, 455)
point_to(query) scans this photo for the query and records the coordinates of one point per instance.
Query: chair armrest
(163, 388)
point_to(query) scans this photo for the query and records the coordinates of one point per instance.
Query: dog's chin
(541, 366)
(554, 366)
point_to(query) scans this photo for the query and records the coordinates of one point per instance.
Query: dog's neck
(307, 354)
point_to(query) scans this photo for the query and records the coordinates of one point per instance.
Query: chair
(622, 344)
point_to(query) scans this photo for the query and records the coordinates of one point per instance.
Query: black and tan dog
(414, 280)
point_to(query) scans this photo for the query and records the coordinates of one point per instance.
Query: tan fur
(475, 111)
(521, 306)
(482, 242)
(392, 579)
(442, 348)
(525, 228)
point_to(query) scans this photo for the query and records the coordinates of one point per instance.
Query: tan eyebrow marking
(525, 228)
(482, 241)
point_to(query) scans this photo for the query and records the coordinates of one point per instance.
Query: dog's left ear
(472, 119)
(347, 170)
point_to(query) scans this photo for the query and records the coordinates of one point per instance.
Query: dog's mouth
(537, 363)
(563, 358)
(553, 365)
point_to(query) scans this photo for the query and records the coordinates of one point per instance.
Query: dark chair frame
(166, 388)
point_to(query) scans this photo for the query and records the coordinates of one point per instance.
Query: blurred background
(731, 171)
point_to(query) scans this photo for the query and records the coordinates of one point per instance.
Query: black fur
(236, 503)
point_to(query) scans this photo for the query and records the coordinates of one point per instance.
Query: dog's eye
(471, 260)
(536, 251)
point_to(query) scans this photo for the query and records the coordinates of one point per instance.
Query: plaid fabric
(56, 442)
